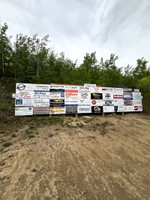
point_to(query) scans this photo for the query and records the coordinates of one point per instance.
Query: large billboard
(45, 99)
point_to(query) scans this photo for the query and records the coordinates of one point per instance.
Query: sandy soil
(102, 158)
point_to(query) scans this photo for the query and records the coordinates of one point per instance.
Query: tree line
(29, 59)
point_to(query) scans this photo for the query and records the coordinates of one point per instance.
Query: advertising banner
(84, 95)
(107, 89)
(41, 87)
(137, 102)
(108, 109)
(128, 97)
(108, 103)
(96, 89)
(89, 85)
(41, 95)
(41, 102)
(96, 102)
(71, 87)
(57, 102)
(97, 109)
(128, 102)
(118, 102)
(128, 108)
(41, 111)
(137, 95)
(107, 96)
(120, 109)
(118, 96)
(21, 87)
(84, 109)
(138, 108)
(96, 96)
(136, 90)
(118, 91)
(57, 95)
(24, 102)
(71, 109)
(84, 89)
(23, 111)
(57, 87)
(57, 110)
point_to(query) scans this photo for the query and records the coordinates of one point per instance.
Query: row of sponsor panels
(34, 99)
(80, 102)
(75, 89)
(22, 111)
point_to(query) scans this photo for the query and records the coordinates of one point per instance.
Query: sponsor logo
(21, 87)
(93, 102)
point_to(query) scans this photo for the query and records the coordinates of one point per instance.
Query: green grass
(31, 136)
(105, 123)
(7, 144)
(31, 127)
(28, 132)
(56, 120)
(14, 135)
(51, 135)
(80, 125)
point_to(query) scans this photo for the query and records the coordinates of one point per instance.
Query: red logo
(94, 102)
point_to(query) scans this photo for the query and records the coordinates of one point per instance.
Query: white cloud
(79, 26)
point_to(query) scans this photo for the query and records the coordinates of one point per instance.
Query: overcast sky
(79, 26)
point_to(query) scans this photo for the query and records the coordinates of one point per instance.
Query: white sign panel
(96, 89)
(41, 95)
(84, 95)
(21, 87)
(84, 109)
(137, 102)
(24, 102)
(57, 87)
(41, 103)
(41, 87)
(138, 108)
(23, 111)
(118, 91)
(57, 110)
(136, 95)
(96, 102)
(128, 108)
(108, 109)
(89, 85)
(120, 109)
(107, 96)
(83, 89)
(107, 89)
(118, 102)
(57, 95)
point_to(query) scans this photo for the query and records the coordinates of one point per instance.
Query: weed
(51, 135)
(1, 132)
(16, 130)
(31, 136)
(7, 144)
(105, 123)
(56, 120)
(31, 127)
(57, 129)
(37, 133)
(3, 108)
(28, 132)
(80, 125)
(1, 149)
(14, 135)
(87, 121)
(33, 170)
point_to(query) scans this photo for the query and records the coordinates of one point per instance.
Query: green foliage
(14, 135)
(30, 60)
(105, 123)
(7, 144)
(56, 120)
(51, 135)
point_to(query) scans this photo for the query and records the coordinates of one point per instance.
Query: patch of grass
(31, 127)
(1, 132)
(14, 135)
(80, 125)
(56, 120)
(31, 136)
(105, 123)
(28, 132)
(87, 121)
(37, 133)
(3, 108)
(51, 135)
(7, 144)
(33, 170)
(1, 149)
(16, 130)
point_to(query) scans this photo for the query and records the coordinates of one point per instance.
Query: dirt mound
(67, 158)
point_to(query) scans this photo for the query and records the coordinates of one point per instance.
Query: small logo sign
(21, 87)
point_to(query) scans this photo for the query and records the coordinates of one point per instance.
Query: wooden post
(76, 115)
(122, 113)
(103, 114)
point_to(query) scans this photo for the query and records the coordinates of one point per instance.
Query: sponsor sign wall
(44, 99)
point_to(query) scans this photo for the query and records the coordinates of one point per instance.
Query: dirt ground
(89, 158)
